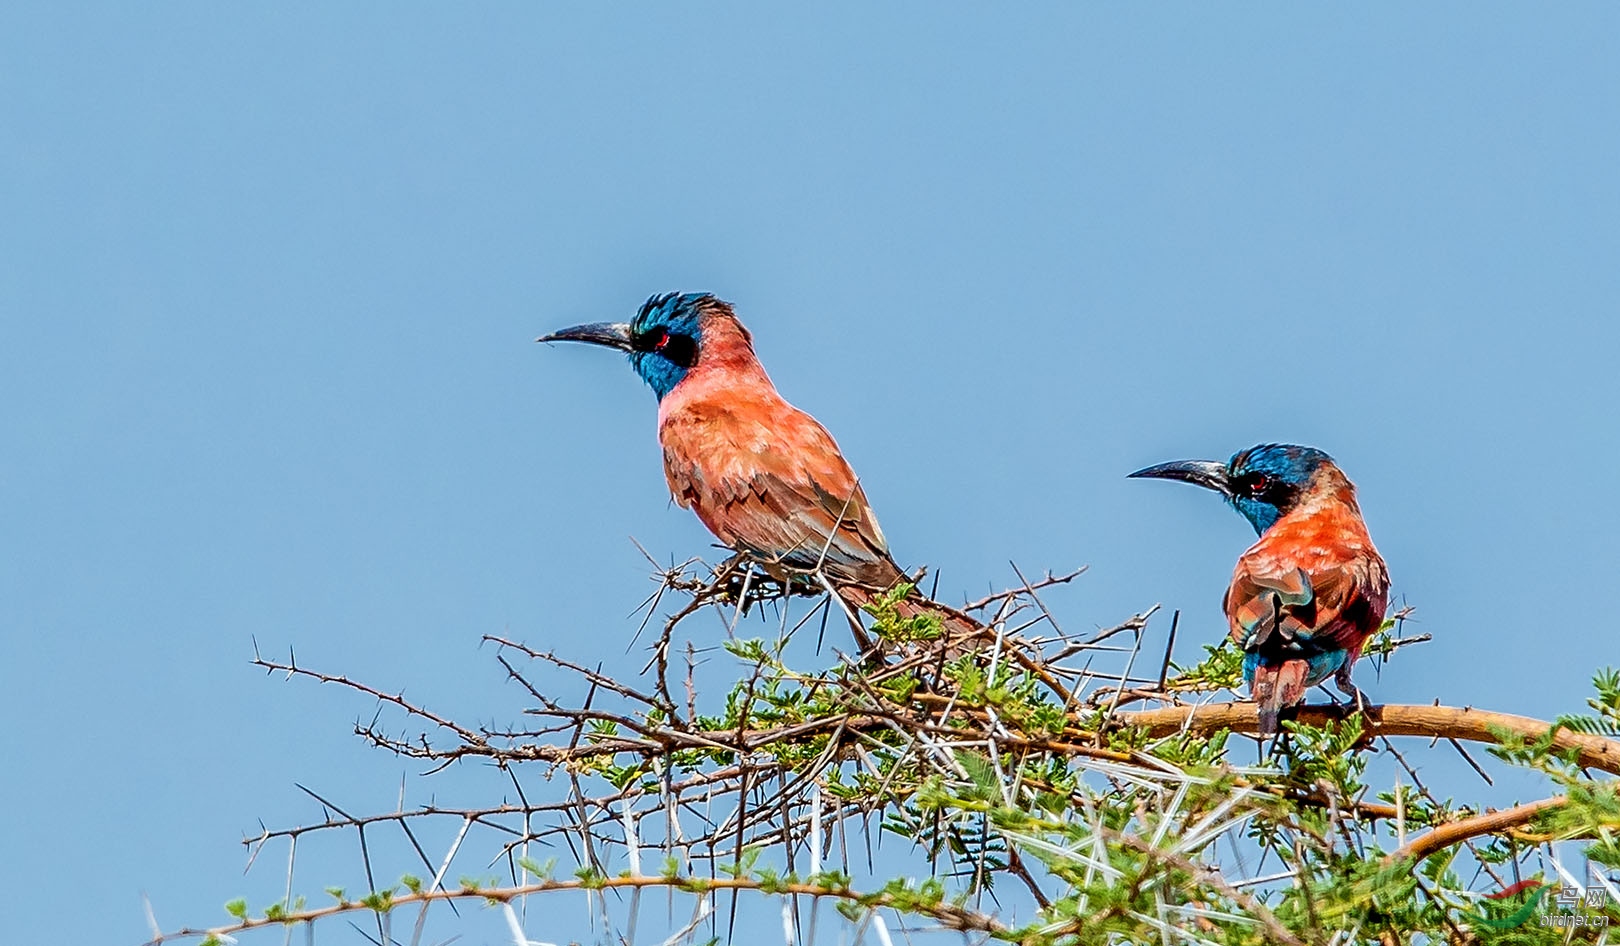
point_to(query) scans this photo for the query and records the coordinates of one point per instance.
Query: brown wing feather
(779, 489)
(1333, 597)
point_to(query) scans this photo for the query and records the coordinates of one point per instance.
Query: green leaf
(540, 871)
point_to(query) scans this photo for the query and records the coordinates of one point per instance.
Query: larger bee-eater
(762, 475)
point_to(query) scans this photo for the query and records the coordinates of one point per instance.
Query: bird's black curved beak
(608, 334)
(1209, 474)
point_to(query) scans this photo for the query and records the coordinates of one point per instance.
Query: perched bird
(1306, 597)
(762, 475)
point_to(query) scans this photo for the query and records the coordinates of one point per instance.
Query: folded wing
(775, 487)
(1278, 605)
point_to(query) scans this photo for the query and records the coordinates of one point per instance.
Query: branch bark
(1435, 722)
(1459, 831)
(948, 914)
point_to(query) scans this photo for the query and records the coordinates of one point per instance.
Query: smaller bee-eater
(1307, 596)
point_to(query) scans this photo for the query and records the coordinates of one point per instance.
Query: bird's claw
(1358, 699)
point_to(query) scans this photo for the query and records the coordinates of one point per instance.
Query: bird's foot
(1358, 699)
(749, 580)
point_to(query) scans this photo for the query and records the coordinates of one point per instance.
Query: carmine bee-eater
(1306, 597)
(762, 475)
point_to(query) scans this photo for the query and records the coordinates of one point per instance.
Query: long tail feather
(1276, 687)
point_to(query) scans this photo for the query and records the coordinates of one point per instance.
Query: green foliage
(540, 871)
(1221, 669)
(889, 624)
(1605, 718)
(1326, 755)
(1591, 811)
(1194, 752)
(744, 864)
(1539, 753)
(1104, 833)
(1383, 643)
(751, 650)
(380, 901)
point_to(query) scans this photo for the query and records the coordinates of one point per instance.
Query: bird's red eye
(1258, 483)
(663, 339)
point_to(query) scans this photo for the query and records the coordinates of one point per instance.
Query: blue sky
(270, 276)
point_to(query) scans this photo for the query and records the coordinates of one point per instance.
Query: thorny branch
(1436, 722)
(949, 915)
(944, 744)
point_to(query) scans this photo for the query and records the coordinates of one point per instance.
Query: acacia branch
(946, 913)
(1491, 822)
(898, 718)
(1435, 722)
(291, 669)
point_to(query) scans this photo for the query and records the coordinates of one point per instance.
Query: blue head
(663, 341)
(1263, 483)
